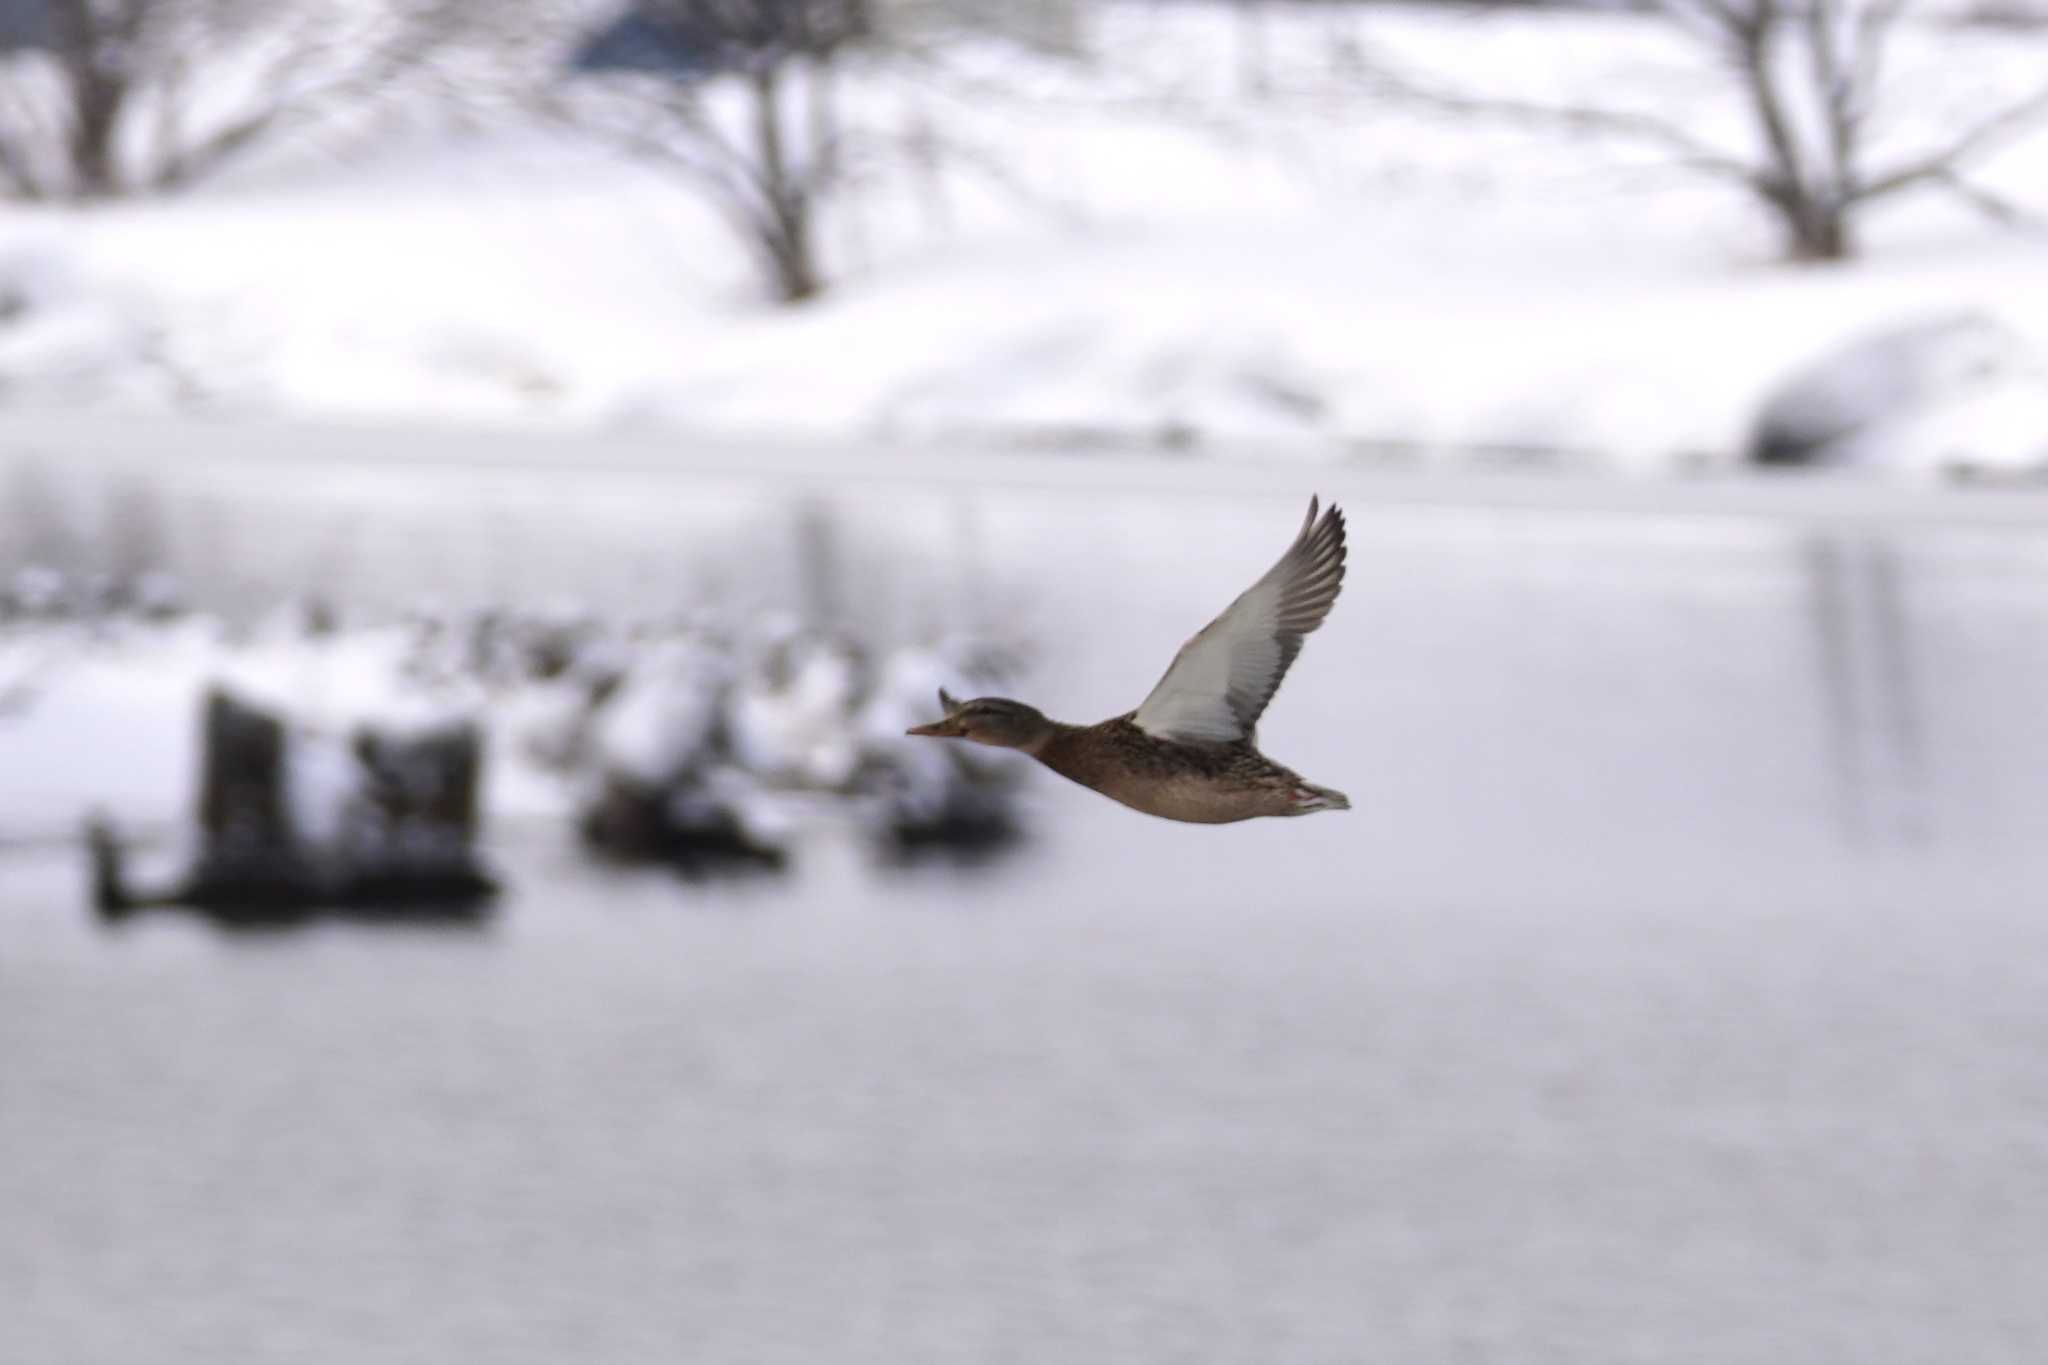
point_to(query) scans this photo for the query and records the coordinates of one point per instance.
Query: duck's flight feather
(1222, 679)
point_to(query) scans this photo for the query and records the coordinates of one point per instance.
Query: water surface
(1677, 991)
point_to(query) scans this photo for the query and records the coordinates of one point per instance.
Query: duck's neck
(1049, 746)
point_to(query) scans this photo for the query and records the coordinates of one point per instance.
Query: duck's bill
(938, 729)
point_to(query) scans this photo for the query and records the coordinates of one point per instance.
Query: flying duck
(1190, 750)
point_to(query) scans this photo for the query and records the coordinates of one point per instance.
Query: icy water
(1677, 991)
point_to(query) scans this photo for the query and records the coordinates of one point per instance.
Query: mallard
(1190, 750)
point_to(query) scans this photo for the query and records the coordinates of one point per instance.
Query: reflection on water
(1675, 992)
(1877, 744)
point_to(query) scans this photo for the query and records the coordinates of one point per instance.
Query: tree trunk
(96, 102)
(244, 809)
(91, 47)
(1816, 232)
(791, 259)
(784, 230)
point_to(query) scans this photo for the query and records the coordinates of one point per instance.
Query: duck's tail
(1309, 798)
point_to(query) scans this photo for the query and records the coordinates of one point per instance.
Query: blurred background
(485, 486)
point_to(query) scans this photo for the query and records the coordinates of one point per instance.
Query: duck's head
(996, 721)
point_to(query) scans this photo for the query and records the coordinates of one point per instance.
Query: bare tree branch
(1992, 205)
(150, 94)
(1808, 74)
(2014, 121)
(1688, 149)
(1873, 29)
(22, 133)
(1833, 82)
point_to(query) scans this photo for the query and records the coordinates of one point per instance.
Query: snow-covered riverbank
(1162, 263)
(1857, 627)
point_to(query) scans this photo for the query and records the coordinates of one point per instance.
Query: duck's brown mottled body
(1203, 784)
(1188, 752)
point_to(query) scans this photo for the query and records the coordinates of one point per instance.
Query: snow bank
(1960, 393)
(1129, 253)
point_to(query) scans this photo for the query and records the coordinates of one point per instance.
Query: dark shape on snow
(689, 40)
(406, 850)
(638, 44)
(979, 826)
(680, 825)
(1850, 394)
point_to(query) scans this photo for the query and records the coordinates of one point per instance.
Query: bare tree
(100, 98)
(738, 95)
(1811, 77)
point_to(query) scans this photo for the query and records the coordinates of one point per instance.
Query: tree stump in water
(249, 854)
(415, 830)
(403, 844)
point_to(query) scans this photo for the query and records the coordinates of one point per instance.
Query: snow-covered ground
(1133, 253)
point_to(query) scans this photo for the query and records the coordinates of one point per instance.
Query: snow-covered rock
(663, 720)
(791, 717)
(1957, 392)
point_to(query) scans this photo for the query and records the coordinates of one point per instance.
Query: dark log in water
(969, 830)
(673, 824)
(406, 848)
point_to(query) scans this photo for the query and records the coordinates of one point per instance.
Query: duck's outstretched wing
(1222, 679)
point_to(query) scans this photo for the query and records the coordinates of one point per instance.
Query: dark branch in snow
(1981, 139)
